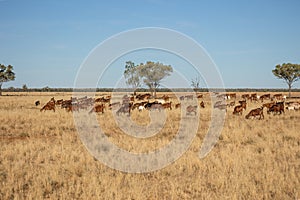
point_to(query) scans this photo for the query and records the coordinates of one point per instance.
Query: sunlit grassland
(43, 157)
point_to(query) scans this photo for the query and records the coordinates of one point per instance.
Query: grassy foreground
(41, 156)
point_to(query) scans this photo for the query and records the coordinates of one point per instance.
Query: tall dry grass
(42, 157)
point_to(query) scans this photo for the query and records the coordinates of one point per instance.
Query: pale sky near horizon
(47, 41)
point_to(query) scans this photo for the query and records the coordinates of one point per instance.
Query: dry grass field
(42, 157)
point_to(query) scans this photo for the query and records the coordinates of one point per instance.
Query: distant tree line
(47, 89)
(151, 74)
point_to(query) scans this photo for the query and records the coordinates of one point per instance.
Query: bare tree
(195, 83)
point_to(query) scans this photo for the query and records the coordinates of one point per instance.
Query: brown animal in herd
(245, 96)
(143, 96)
(167, 105)
(125, 108)
(277, 97)
(227, 96)
(131, 98)
(114, 105)
(277, 108)
(189, 97)
(202, 105)
(165, 97)
(256, 112)
(239, 108)
(254, 97)
(72, 107)
(138, 104)
(127, 99)
(98, 109)
(191, 109)
(268, 106)
(200, 96)
(155, 106)
(231, 104)
(49, 106)
(52, 100)
(265, 97)
(86, 102)
(102, 100)
(218, 103)
(222, 107)
(221, 96)
(66, 103)
(230, 96)
(177, 105)
(59, 102)
(73, 99)
(82, 98)
(244, 104)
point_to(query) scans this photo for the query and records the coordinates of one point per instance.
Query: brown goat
(49, 106)
(126, 108)
(256, 112)
(98, 108)
(191, 109)
(238, 110)
(167, 105)
(277, 108)
(202, 104)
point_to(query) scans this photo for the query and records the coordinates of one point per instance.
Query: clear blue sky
(46, 41)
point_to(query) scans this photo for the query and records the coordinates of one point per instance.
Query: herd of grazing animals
(141, 102)
(276, 106)
(126, 104)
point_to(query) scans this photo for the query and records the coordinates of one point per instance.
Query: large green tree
(152, 74)
(289, 72)
(6, 74)
(131, 75)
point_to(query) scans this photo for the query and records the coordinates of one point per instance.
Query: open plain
(42, 156)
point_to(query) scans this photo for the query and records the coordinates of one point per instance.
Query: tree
(24, 88)
(131, 75)
(196, 83)
(290, 73)
(152, 74)
(6, 74)
(46, 89)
